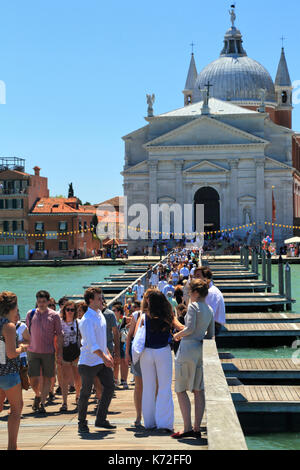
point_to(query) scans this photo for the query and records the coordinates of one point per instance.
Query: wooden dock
(262, 318)
(267, 409)
(263, 371)
(236, 335)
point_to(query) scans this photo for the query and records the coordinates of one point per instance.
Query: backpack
(30, 319)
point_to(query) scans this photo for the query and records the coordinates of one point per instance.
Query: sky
(77, 74)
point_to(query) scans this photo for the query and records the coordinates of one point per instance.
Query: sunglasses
(70, 309)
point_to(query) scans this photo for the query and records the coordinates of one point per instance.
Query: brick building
(18, 192)
(61, 228)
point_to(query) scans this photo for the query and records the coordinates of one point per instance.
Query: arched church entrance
(210, 198)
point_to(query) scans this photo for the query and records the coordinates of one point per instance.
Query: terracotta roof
(51, 205)
(9, 171)
(114, 201)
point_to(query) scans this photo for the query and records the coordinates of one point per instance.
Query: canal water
(59, 281)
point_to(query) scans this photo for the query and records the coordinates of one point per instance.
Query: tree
(71, 190)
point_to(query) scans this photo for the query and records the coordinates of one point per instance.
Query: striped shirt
(44, 327)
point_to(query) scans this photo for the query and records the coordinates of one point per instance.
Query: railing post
(263, 265)
(280, 276)
(269, 272)
(288, 286)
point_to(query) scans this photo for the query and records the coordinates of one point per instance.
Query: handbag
(72, 351)
(138, 344)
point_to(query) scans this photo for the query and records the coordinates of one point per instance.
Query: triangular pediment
(141, 167)
(205, 166)
(204, 131)
(271, 164)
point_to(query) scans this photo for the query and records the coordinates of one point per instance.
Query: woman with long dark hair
(156, 362)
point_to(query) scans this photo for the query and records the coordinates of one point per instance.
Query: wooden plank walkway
(273, 328)
(262, 318)
(266, 394)
(272, 365)
(58, 431)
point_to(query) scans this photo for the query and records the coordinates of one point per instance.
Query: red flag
(273, 208)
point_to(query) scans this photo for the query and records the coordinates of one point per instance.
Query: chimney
(37, 170)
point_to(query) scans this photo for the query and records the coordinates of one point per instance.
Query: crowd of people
(88, 348)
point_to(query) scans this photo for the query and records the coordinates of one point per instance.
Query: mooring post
(280, 276)
(269, 272)
(263, 265)
(247, 257)
(288, 286)
(253, 260)
(256, 262)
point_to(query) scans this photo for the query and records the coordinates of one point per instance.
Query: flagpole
(273, 213)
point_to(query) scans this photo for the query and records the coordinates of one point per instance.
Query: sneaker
(63, 408)
(36, 403)
(125, 386)
(83, 428)
(58, 391)
(72, 389)
(105, 424)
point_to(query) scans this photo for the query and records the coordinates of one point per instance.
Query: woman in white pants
(156, 362)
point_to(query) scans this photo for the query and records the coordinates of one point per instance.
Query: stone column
(223, 204)
(179, 186)
(260, 194)
(234, 216)
(152, 164)
(179, 181)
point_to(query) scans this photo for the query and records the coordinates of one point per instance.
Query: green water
(59, 281)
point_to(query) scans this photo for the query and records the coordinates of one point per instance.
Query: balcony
(13, 192)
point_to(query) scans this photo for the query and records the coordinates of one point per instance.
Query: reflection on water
(59, 281)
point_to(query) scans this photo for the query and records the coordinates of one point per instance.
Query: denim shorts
(9, 381)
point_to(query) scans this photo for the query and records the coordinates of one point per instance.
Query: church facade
(228, 147)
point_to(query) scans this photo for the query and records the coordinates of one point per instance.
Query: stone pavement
(58, 431)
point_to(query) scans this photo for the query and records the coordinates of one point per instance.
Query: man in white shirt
(94, 360)
(139, 289)
(162, 284)
(214, 298)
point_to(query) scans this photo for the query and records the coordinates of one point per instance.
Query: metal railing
(121, 296)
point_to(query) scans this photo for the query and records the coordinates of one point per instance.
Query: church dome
(235, 76)
(235, 79)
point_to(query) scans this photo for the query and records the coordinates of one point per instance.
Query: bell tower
(284, 94)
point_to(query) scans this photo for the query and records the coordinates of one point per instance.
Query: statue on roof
(150, 101)
(232, 15)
